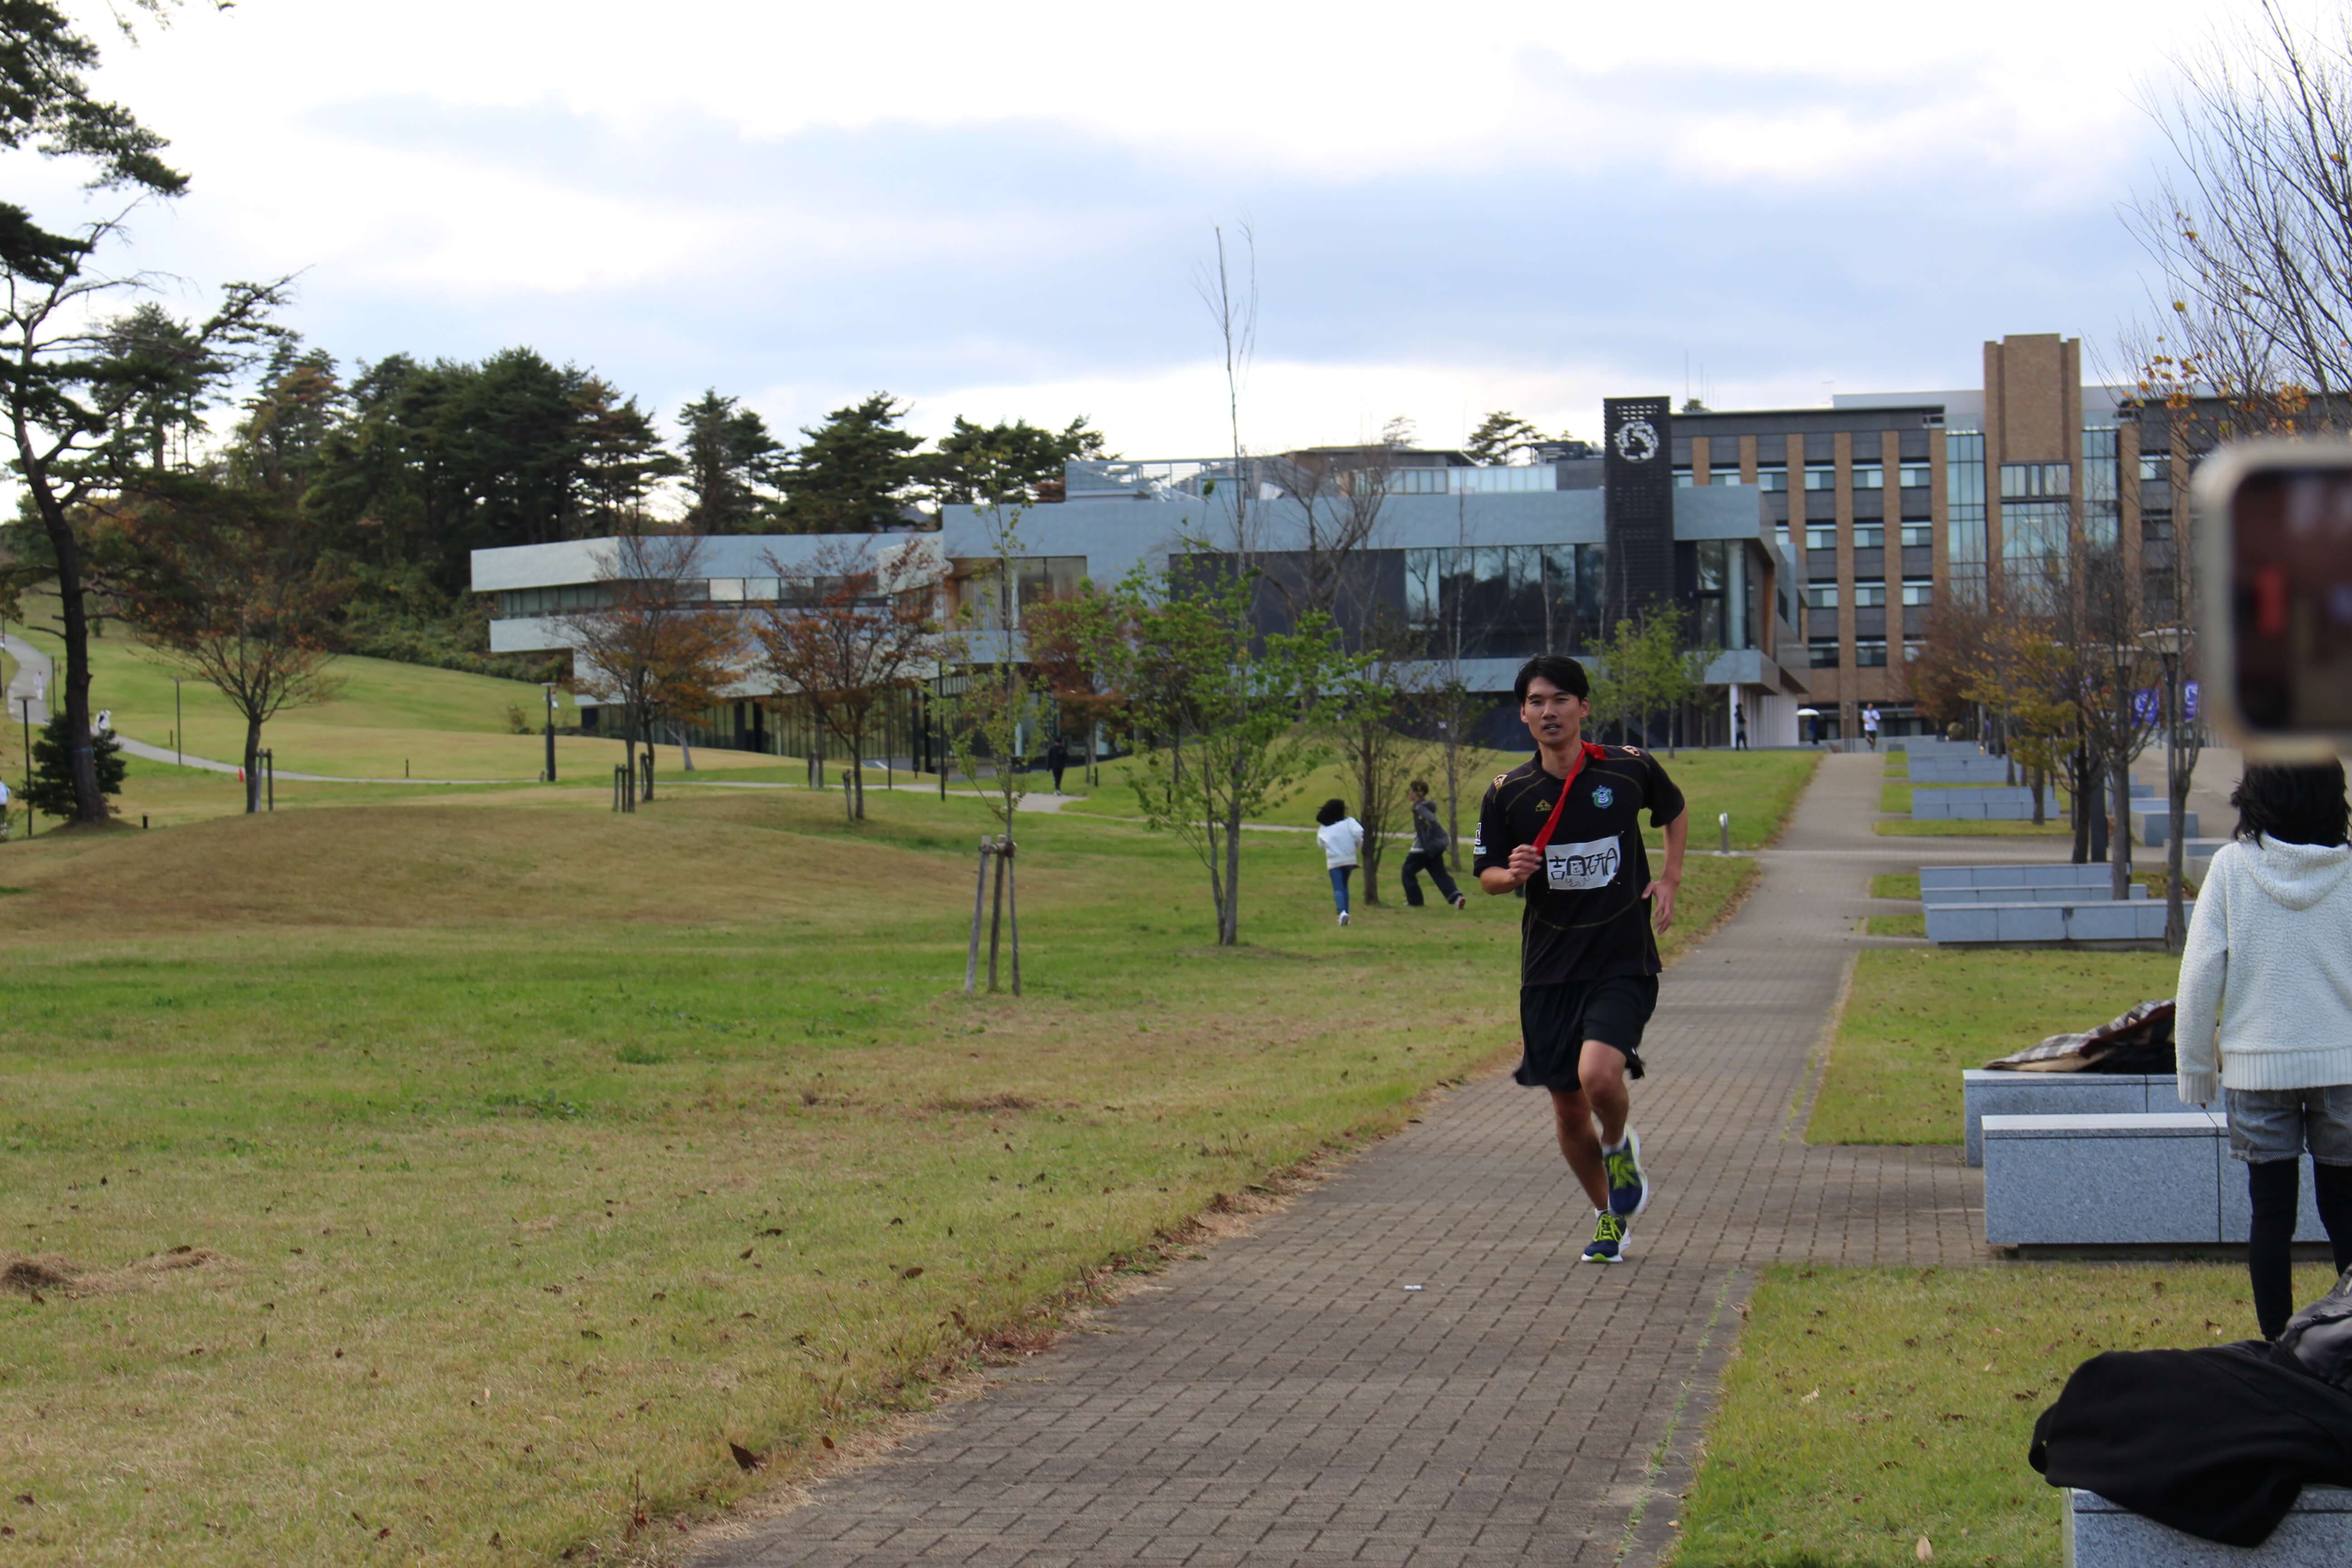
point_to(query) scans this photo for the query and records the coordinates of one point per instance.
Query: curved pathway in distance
(1288, 1400)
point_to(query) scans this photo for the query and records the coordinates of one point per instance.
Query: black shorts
(1556, 1020)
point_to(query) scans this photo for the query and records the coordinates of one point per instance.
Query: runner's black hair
(2299, 805)
(1329, 812)
(1557, 667)
(1420, 784)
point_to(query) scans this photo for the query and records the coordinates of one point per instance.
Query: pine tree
(51, 791)
(850, 475)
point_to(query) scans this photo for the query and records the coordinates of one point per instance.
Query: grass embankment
(529, 1154)
(1866, 1408)
(1914, 1019)
(1903, 828)
(388, 719)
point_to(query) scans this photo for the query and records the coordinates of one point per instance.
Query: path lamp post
(179, 728)
(27, 703)
(551, 729)
(2167, 643)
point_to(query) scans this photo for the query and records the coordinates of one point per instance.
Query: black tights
(2275, 1187)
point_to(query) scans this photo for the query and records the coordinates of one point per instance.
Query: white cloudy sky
(999, 210)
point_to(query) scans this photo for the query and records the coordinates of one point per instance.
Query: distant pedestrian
(1738, 729)
(1058, 757)
(2269, 952)
(1870, 725)
(1428, 852)
(3, 811)
(1342, 837)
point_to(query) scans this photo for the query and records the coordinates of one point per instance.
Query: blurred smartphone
(2274, 528)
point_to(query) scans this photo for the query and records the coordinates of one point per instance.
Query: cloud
(1001, 213)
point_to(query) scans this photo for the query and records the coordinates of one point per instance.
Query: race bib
(1578, 868)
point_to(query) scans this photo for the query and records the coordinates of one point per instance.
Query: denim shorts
(2268, 1124)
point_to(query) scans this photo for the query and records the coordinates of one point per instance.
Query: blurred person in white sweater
(1342, 837)
(2269, 956)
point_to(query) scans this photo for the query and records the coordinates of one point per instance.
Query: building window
(1821, 476)
(1504, 602)
(1822, 596)
(1869, 536)
(1964, 512)
(1772, 476)
(2155, 468)
(2156, 527)
(2102, 485)
(1915, 475)
(1684, 479)
(1822, 653)
(1869, 595)
(1919, 589)
(1912, 648)
(2034, 481)
(1780, 536)
(1870, 653)
(1869, 476)
(1821, 536)
(1918, 536)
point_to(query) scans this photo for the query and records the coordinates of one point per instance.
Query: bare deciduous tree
(226, 584)
(652, 643)
(849, 630)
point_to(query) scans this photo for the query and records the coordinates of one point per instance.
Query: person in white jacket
(2269, 955)
(1342, 837)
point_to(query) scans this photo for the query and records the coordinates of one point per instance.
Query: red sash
(1590, 754)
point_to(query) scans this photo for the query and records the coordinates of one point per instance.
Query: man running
(1563, 827)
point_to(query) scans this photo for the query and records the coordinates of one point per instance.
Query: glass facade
(1869, 476)
(1506, 601)
(2102, 484)
(1772, 476)
(1963, 513)
(1919, 589)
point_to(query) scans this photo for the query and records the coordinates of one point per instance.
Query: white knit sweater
(2270, 951)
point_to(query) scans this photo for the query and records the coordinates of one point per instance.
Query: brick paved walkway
(1288, 1400)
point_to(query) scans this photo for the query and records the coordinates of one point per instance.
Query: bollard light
(1723, 827)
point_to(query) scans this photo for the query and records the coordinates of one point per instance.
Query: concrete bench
(2317, 1533)
(1967, 770)
(2083, 921)
(1971, 804)
(2045, 874)
(1985, 1092)
(1992, 895)
(2155, 823)
(2157, 1178)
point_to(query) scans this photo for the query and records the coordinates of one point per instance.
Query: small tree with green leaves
(1228, 720)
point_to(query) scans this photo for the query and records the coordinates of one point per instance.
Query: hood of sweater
(2297, 875)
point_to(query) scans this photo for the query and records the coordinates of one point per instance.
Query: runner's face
(1554, 717)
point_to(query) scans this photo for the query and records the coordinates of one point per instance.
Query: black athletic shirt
(1585, 917)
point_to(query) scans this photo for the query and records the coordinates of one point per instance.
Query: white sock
(1613, 1148)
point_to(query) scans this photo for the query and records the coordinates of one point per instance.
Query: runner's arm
(1661, 893)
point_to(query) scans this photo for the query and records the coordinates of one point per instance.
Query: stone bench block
(2142, 790)
(2080, 920)
(1972, 770)
(2156, 825)
(2042, 876)
(2020, 894)
(2091, 1180)
(2102, 1534)
(1985, 1092)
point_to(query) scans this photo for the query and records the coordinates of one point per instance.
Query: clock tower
(1638, 504)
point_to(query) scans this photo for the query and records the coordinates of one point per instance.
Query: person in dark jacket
(1428, 852)
(1058, 758)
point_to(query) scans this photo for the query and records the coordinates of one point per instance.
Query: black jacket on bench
(2217, 1441)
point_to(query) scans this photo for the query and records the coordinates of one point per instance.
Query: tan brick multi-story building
(1888, 504)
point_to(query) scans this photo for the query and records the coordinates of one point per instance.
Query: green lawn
(1903, 828)
(529, 1154)
(1865, 1409)
(1895, 925)
(1758, 788)
(1895, 885)
(1914, 1019)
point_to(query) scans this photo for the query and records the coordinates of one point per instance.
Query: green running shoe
(1608, 1243)
(1629, 1190)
